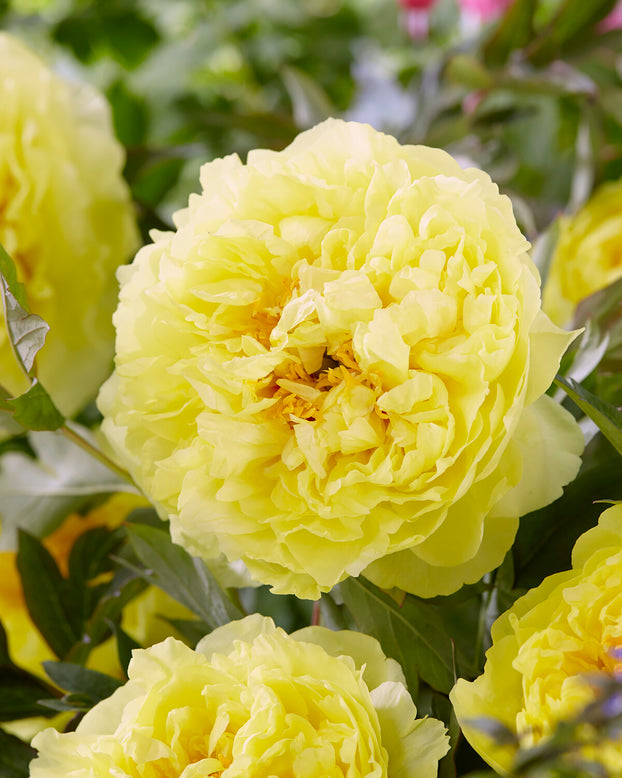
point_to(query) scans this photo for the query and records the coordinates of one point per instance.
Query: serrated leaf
(36, 494)
(413, 634)
(15, 756)
(49, 600)
(607, 417)
(185, 578)
(81, 680)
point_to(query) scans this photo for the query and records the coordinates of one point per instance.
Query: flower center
(302, 395)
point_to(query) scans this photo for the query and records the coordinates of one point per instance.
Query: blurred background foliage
(532, 95)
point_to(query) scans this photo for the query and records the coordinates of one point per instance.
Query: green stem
(96, 453)
(481, 624)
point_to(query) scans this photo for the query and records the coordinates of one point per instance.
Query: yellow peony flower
(547, 645)
(65, 218)
(140, 617)
(336, 365)
(588, 255)
(253, 702)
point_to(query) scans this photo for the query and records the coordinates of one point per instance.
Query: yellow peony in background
(65, 218)
(546, 646)
(336, 366)
(588, 255)
(253, 702)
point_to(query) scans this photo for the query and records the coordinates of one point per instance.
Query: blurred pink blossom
(416, 5)
(416, 17)
(613, 21)
(485, 9)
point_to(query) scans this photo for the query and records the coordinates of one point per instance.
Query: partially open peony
(588, 254)
(336, 366)
(547, 646)
(253, 702)
(65, 218)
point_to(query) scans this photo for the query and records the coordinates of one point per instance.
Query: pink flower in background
(416, 17)
(485, 9)
(416, 5)
(613, 21)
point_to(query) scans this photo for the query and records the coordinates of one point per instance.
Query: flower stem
(95, 452)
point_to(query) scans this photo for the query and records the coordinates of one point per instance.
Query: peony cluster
(65, 218)
(546, 647)
(336, 366)
(588, 255)
(253, 702)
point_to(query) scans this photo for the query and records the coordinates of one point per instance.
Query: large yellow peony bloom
(65, 218)
(336, 365)
(546, 647)
(253, 702)
(588, 255)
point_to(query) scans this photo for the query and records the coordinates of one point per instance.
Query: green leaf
(90, 554)
(545, 538)
(20, 695)
(129, 114)
(15, 756)
(48, 597)
(20, 691)
(35, 409)
(80, 680)
(27, 331)
(607, 417)
(125, 645)
(413, 634)
(103, 607)
(514, 31)
(8, 271)
(183, 577)
(192, 630)
(568, 24)
(310, 103)
(469, 71)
